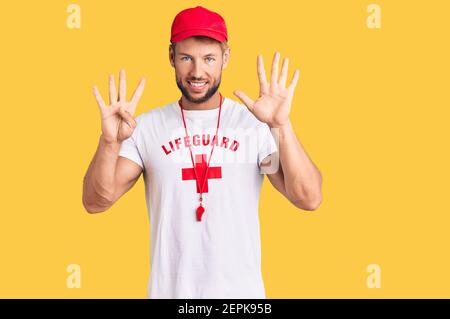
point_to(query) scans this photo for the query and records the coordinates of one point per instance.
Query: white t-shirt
(219, 256)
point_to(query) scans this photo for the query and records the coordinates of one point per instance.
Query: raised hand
(274, 103)
(117, 118)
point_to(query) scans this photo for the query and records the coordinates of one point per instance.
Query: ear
(226, 57)
(171, 56)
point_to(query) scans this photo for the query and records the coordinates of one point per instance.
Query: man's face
(198, 67)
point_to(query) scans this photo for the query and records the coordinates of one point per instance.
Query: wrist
(113, 145)
(281, 126)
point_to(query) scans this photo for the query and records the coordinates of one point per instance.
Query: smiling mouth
(197, 85)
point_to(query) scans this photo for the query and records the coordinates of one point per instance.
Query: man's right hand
(117, 118)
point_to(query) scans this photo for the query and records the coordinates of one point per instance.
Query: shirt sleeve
(130, 146)
(266, 142)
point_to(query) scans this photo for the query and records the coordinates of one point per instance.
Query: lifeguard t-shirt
(219, 256)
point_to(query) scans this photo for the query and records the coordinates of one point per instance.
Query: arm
(109, 176)
(297, 179)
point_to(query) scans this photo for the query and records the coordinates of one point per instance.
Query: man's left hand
(274, 103)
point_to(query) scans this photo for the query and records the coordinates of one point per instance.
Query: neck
(212, 103)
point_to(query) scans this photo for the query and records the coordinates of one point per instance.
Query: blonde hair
(223, 45)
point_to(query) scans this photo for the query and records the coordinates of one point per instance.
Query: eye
(210, 59)
(185, 57)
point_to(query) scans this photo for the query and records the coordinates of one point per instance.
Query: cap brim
(199, 32)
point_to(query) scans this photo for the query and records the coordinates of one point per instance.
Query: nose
(196, 71)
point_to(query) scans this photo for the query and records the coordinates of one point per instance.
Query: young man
(202, 158)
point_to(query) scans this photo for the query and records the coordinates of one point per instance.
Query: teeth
(197, 84)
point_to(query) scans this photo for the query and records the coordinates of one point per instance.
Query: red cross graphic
(200, 169)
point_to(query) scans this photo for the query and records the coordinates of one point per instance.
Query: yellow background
(371, 109)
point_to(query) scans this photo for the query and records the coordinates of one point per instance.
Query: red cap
(198, 21)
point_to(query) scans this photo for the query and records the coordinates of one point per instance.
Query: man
(201, 157)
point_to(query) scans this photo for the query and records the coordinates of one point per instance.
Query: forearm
(302, 179)
(99, 181)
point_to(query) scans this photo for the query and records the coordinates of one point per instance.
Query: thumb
(245, 99)
(131, 122)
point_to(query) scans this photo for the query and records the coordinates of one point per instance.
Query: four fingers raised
(274, 81)
(113, 98)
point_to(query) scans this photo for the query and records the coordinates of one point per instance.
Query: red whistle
(200, 211)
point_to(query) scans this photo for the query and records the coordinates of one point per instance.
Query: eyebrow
(209, 54)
